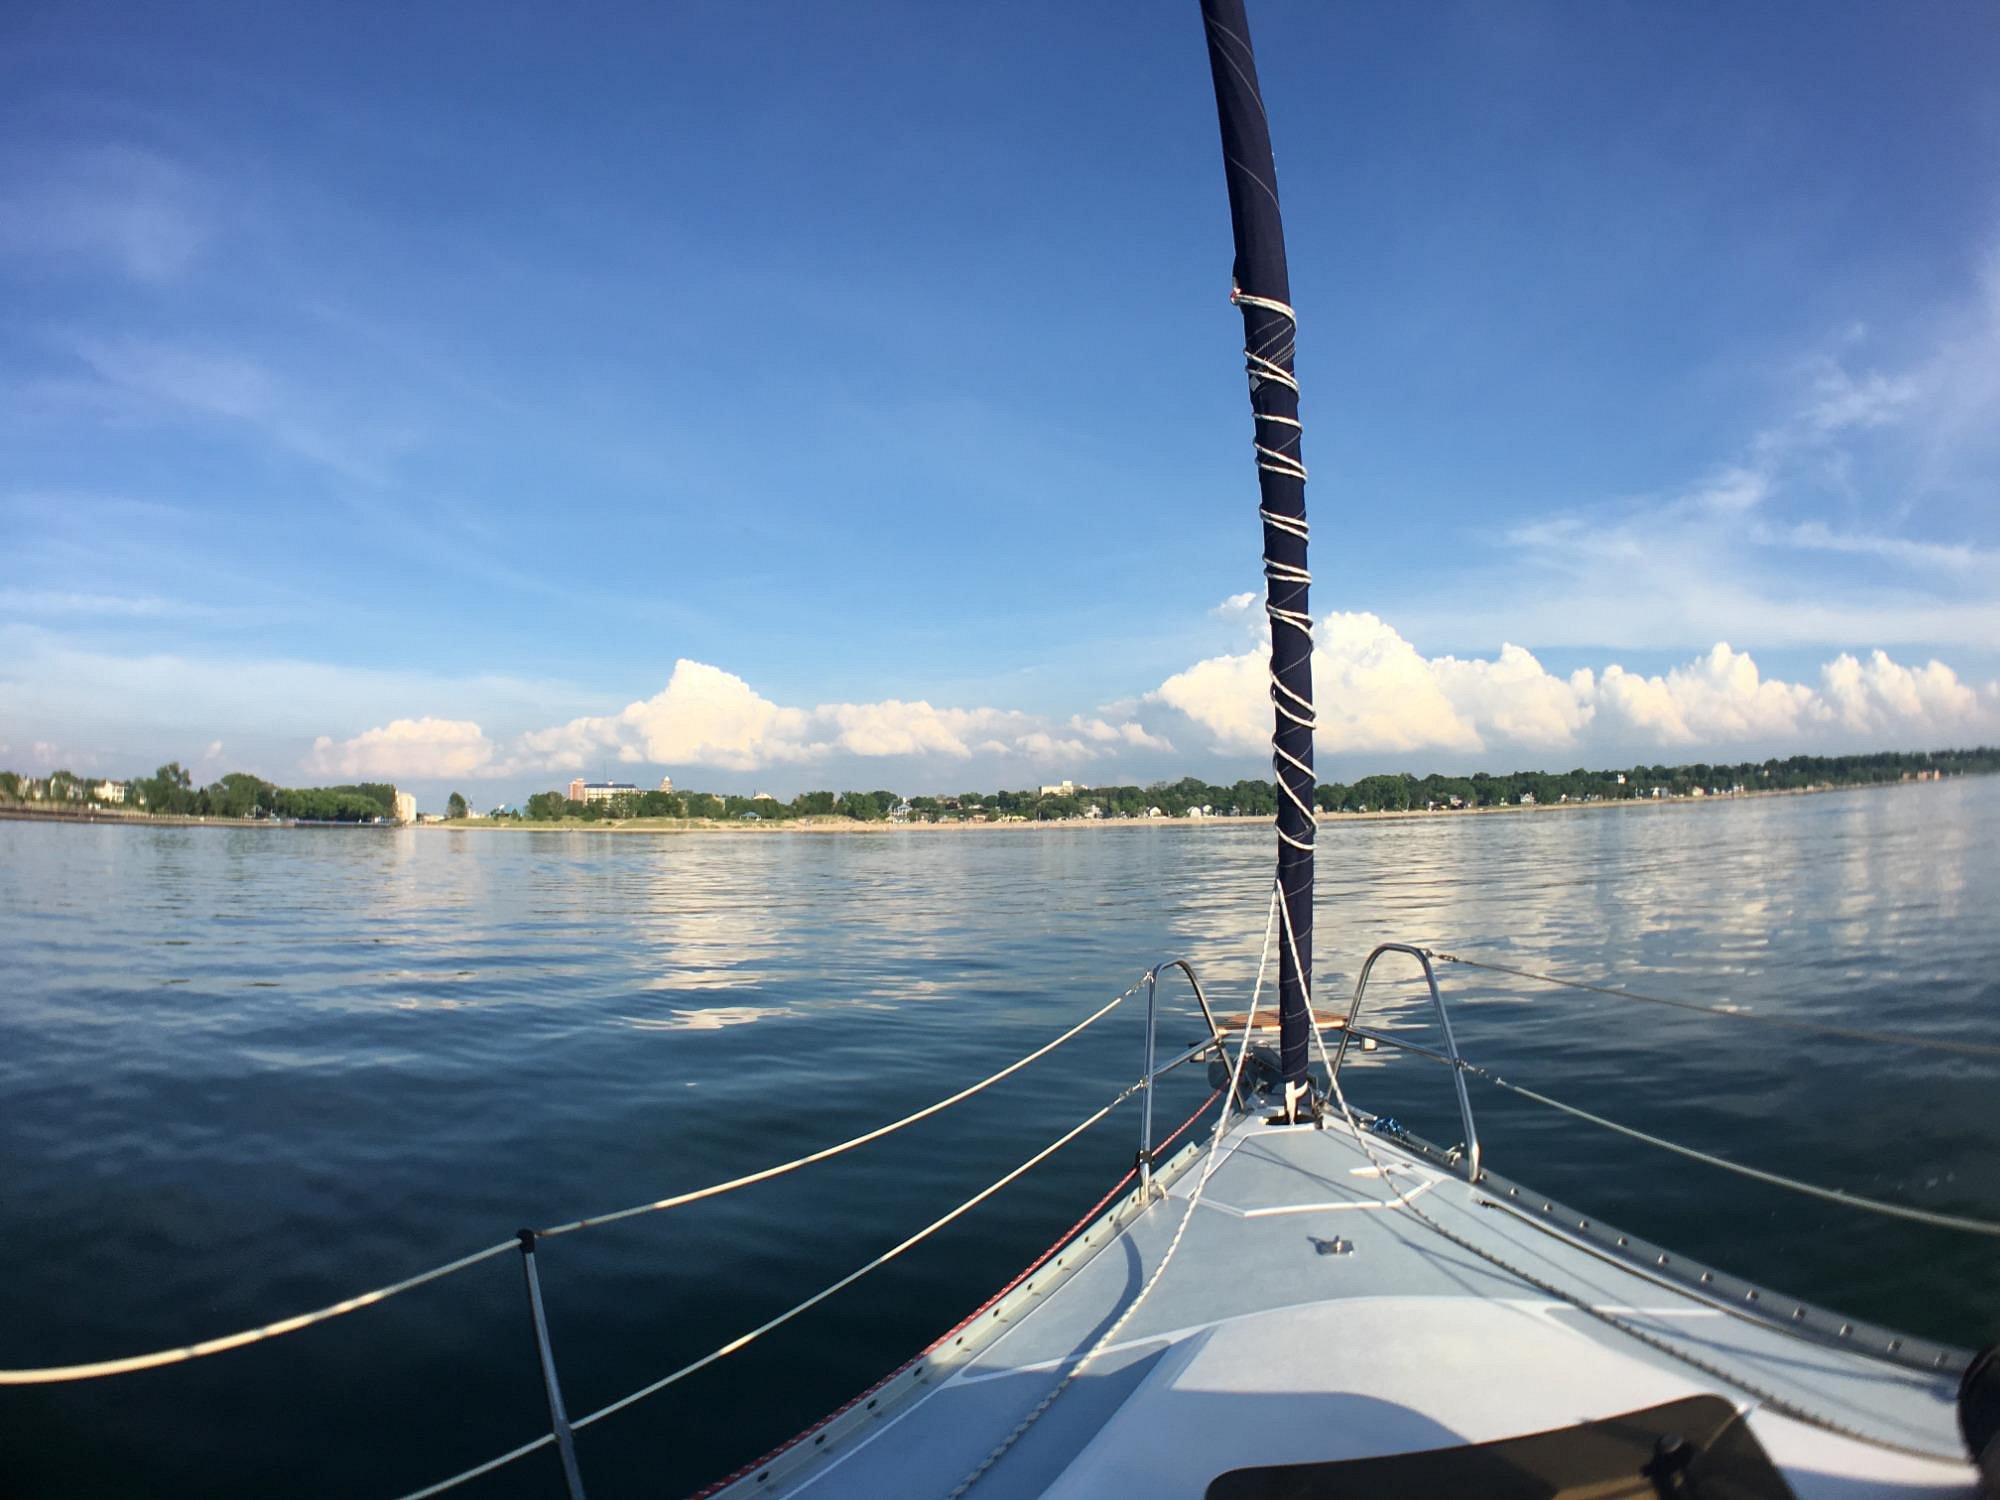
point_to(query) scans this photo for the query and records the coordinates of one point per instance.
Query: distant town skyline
(366, 418)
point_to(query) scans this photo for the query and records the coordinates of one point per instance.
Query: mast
(1263, 293)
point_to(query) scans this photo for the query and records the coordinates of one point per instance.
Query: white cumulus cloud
(1880, 694)
(706, 716)
(406, 748)
(1377, 693)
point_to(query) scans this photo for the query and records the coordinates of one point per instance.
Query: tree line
(171, 790)
(1399, 792)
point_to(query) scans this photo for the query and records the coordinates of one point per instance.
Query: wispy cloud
(227, 387)
(125, 208)
(46, 603)
(1843, 520)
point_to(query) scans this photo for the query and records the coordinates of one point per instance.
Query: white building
(108, 791)
(406, 807)
(1064, 789)
(600, 791)
(666, 783)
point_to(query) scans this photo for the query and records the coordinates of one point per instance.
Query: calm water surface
(246, 1072)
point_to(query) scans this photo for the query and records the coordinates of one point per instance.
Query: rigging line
(1765, 1398)
(855, 1275)
(51, 1374)
(1851, 1033)
(1831, 1195)
(999, 1451)
(478, 1469)
(1061, 1240)
(716, 1189)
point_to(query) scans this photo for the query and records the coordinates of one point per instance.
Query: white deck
(1260, 1346)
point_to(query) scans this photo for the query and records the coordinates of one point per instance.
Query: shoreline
(20, 812)
(1325, 820)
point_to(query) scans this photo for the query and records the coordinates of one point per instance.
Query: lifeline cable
(1821, 1028)
(53, 1374)
(1766, 1398)
(999, 1451)
(744, 1339)
(1089, 1217)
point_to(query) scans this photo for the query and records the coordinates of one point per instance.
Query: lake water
(246, 1072)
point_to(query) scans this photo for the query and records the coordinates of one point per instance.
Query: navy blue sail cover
(1263, 290)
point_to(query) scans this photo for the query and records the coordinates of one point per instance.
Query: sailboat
(1311, 1300)
(1317, 1303)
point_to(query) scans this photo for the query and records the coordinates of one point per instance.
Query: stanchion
(558, 1416)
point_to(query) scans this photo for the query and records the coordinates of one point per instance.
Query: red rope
(966, 1322)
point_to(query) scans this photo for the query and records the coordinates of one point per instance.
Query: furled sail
(1263, 292)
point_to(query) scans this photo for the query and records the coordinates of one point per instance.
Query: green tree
(455, 807)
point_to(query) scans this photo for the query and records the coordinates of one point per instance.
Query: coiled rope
(54, 1374)
(1818, 1028)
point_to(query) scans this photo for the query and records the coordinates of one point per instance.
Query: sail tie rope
(52, 1374)
(1272, 457)
(1819, 1028)
(1103, 1340)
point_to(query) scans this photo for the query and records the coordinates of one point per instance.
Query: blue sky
(804, 395)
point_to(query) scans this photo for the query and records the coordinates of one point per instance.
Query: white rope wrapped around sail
(1291, 707)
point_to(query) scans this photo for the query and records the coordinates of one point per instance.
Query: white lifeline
(1311, 1315)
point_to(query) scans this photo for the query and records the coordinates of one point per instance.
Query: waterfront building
(600, 791)
(108, 791)
(1062, 789)
(406, 807)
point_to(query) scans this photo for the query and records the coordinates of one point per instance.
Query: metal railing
(1152, 983)
(1449, 1057)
